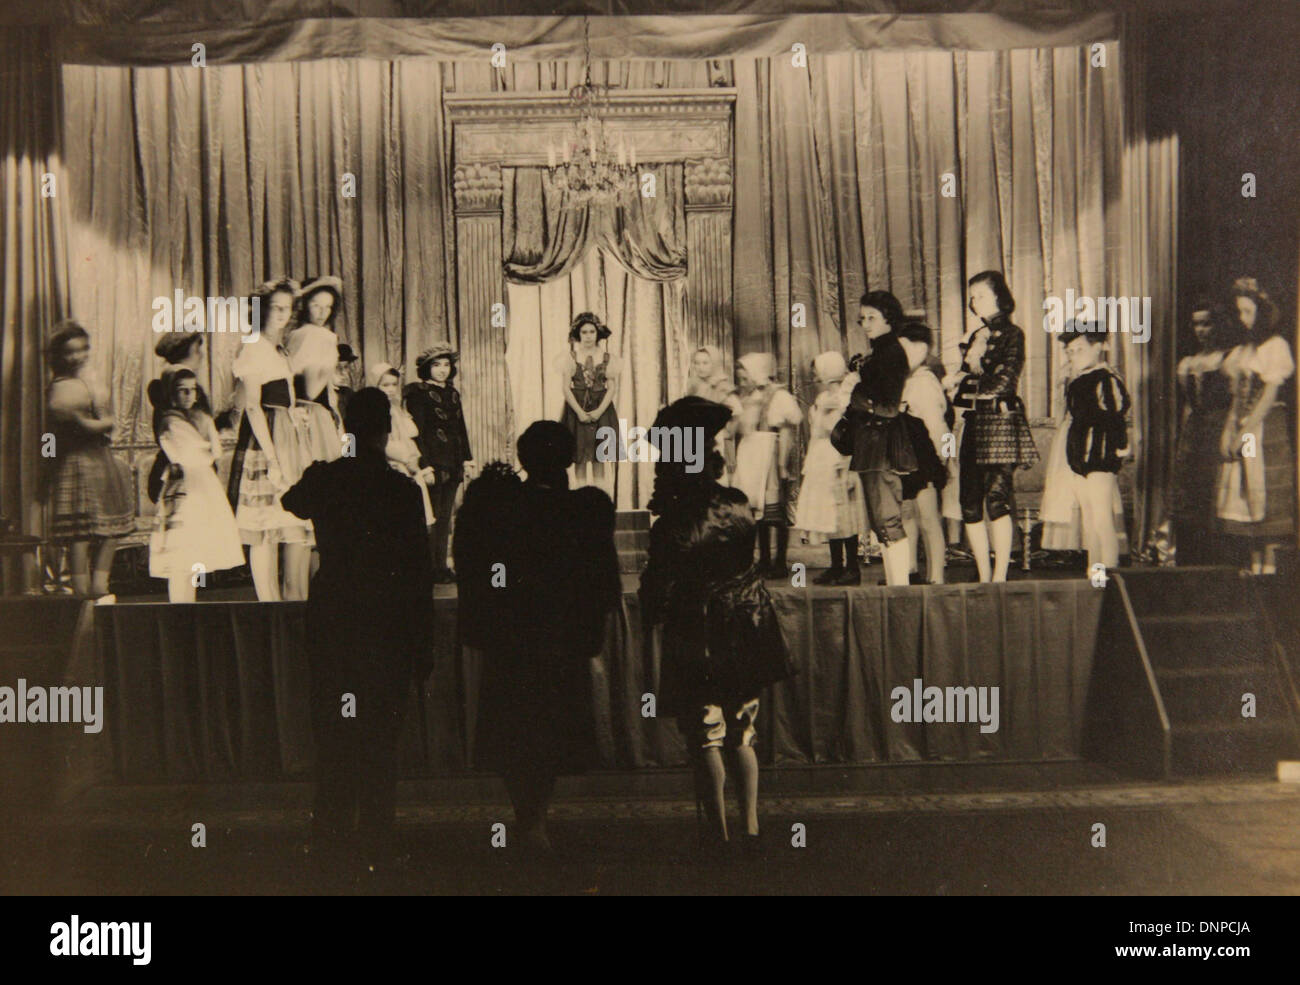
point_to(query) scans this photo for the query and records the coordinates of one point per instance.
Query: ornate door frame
(493, 130)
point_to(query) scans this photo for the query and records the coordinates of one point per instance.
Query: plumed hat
(695, 412)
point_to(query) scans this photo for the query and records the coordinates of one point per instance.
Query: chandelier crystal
(588, 165)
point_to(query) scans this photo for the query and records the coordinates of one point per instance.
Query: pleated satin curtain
(212, 181)
(33, 261)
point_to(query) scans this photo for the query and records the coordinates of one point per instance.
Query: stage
(217, 691)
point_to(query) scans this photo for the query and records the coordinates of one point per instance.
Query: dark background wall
(1228, 82)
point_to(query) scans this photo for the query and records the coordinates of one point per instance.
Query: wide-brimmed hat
(346, 355)
(175, 346)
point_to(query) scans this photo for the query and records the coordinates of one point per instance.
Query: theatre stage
(217, 692)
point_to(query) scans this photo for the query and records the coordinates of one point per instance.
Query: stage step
(1244, 747)
(632, 520)
(1210, 643)
(1178, 591)
(632, 538)
(1203, 639)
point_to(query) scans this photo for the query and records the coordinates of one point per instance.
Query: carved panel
(708, 183)
(477, 188)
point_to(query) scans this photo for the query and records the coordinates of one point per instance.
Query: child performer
(768, 422)
(1090, 446)
(830, 506)
(443, 439)
(196, 532)
(707, 377)
(589, 378)
(926, 401)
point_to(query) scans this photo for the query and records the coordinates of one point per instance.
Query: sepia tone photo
(654, 448)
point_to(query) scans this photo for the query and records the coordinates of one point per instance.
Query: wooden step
(1204, 639)
(1169, 591)
(1213, 695)
(1250, 746)
(632, 520)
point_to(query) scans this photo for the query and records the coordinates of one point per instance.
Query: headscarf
(761, 367)
(716, 382)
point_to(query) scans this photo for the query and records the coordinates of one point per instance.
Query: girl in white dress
(271, 451)
(196, 532)
(769, 420)
(831, 506)
(402, 451)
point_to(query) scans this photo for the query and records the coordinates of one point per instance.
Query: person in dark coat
(538, 580)
(343, 378)
(369, 628)
(435, 406)
(721, 642)
(878, 437)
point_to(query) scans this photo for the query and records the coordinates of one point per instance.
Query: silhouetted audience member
(538, 578)
(721, 642)
(369, 629)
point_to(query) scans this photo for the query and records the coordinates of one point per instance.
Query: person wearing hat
(590, 382)
(343, 378)
(769, 420)
(1257, 482)
(830, 506)
(435, 406)
(180, 350)
(721, 642)
(537, 585)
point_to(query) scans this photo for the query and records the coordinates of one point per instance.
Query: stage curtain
(849, 164)
(211, 181)
(219, 691)
(33, 262)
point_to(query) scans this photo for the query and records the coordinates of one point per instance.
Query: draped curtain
(627, 264)
(33, 260)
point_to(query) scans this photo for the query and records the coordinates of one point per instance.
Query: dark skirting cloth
(1196, 466)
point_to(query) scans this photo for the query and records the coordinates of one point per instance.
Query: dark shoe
(829, 576)
(751, 846)
(777, 572)
(444, 577)
(849, 576)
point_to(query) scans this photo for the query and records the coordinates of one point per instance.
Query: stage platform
(217, 692)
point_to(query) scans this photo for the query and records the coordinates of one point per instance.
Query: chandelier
(588, 166)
